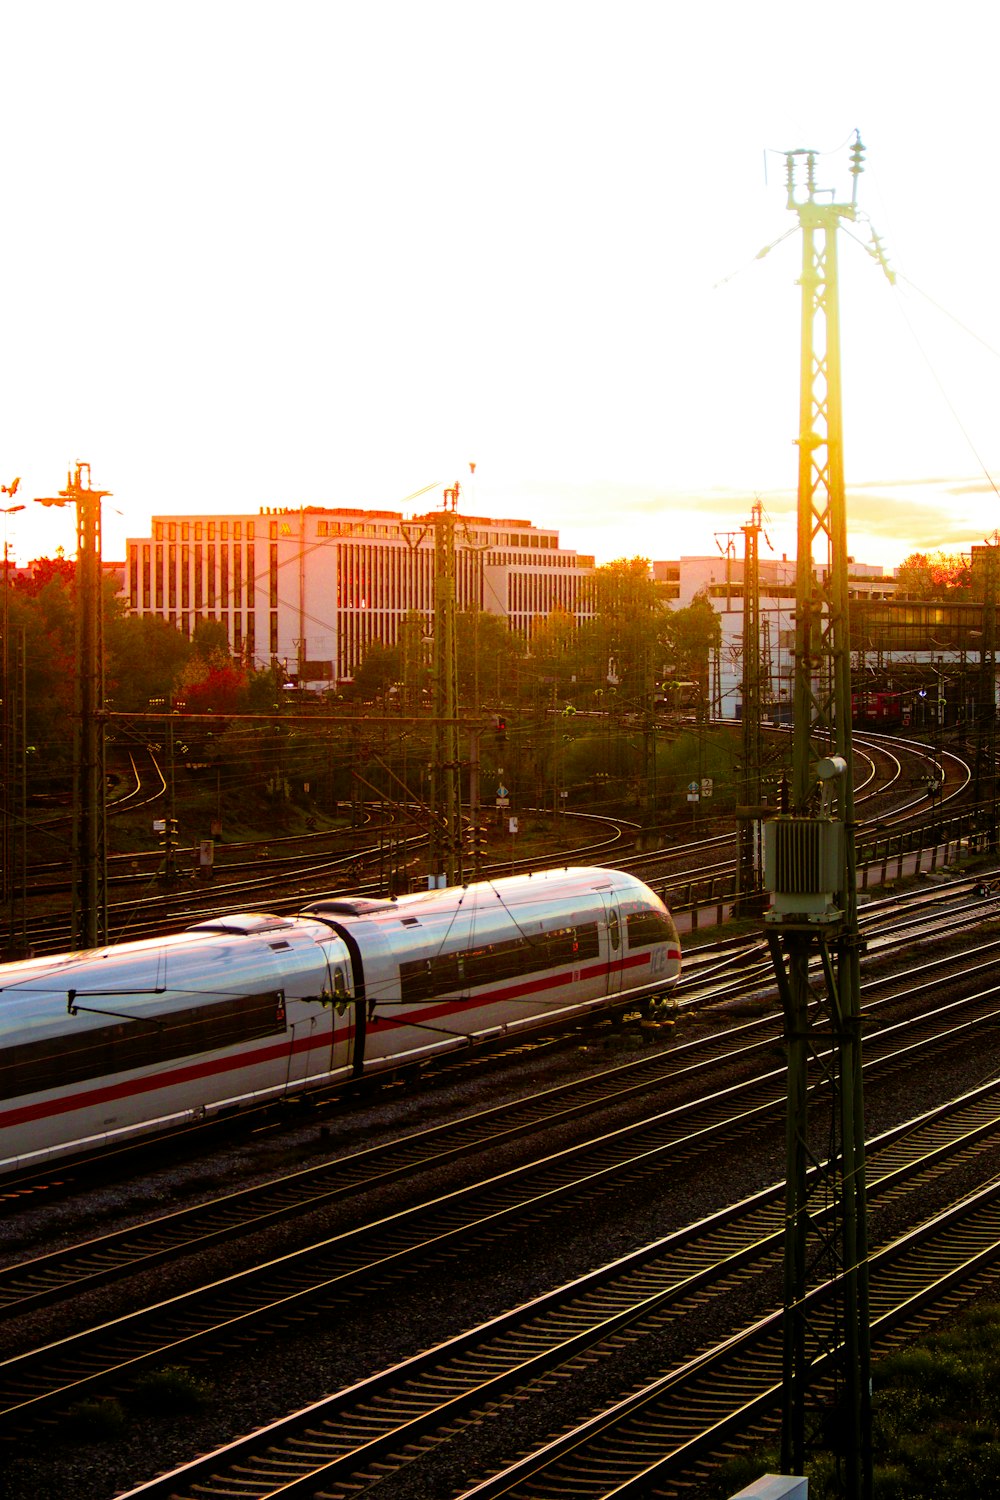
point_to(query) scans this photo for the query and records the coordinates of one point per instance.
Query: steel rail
(304, 1282)
(669, 1432)
(391, 1418)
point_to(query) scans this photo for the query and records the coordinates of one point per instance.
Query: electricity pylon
(811, 873)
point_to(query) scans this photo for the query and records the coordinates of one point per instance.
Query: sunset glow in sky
(323, 252)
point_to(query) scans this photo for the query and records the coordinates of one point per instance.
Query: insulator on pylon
(857, 156)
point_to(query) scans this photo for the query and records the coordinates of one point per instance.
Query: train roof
(509, 890)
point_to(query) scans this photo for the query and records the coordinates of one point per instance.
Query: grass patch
(94, 1421)
(935, 1422)
(169, 1392)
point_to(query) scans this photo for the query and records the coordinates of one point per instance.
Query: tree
(932, 576)
(210, 642)
(487, 653)
(146, 658)
(42, 571)
(625, 640)
(380, 667)
(219, 691)
(692, 634)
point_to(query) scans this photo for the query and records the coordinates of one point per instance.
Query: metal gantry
(812, 926)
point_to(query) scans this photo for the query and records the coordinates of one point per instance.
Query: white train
(101, 1046)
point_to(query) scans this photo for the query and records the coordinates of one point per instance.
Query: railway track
(664, 1437)
(359, 1436)
(285, 883)
(311, 1280)
(287, 879)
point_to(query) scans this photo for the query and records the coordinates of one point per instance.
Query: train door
(615, 938)
(320, 1034)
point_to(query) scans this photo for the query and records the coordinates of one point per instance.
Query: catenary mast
(810, 871)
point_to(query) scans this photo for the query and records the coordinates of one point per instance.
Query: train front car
(445, 968)
(101, 1046)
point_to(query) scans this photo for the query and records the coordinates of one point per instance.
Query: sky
(334, 252)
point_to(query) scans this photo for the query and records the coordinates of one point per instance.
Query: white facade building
(312, 588)
(720, 580)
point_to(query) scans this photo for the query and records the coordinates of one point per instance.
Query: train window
(492, 963)
(94, 1051)
(423, 978)
(588, 941)
(648, 927)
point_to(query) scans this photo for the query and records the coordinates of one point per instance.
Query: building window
(273, 644)
(145, 575)
(224, 576)
(273, 575)
(250, 577)
(172, 577)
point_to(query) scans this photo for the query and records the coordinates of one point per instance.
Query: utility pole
(13, 855)
(748, 868)
(810, 869)
(729, 537)
(445, 760)
(984, 562)
(89, 843)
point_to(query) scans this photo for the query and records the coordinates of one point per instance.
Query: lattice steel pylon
(812, 925)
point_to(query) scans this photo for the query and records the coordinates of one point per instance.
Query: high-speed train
(101, 1046)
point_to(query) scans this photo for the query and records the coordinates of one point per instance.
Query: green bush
(172, 1390)
(94, 1420)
